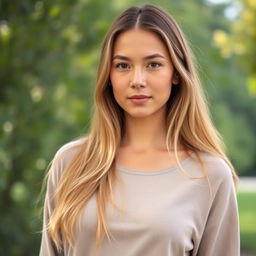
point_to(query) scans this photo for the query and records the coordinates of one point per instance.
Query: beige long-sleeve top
(166, 212)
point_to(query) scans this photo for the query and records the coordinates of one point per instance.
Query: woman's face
(141, 73)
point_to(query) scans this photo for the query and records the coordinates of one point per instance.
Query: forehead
(139, 41)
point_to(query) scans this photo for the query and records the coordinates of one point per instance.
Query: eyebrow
(152, 56)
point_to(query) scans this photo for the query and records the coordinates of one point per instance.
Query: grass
(247, 213)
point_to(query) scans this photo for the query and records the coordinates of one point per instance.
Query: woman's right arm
(47, 246)
(61, 159)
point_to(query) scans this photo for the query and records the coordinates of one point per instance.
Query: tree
(241, 40)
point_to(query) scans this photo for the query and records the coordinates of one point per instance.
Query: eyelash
(124, 66)
(121, 65)
(155, 63)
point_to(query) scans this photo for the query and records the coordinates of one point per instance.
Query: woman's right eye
(122, 65)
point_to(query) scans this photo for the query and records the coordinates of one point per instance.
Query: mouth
(139, 99)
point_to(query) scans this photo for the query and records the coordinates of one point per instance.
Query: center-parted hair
(188, 122)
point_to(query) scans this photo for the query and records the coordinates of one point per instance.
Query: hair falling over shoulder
(188, 122)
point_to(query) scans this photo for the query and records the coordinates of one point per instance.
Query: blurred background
(48, 57)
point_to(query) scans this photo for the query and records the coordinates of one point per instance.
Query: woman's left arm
(221, 235)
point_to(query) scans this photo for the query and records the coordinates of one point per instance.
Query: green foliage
(247, 212)
(241, 40)
(48, 56)
(47, 67)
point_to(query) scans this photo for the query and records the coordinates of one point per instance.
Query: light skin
(142, 67)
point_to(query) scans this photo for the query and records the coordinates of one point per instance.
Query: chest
(158, 207)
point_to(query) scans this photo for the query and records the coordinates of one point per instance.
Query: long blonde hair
(188, 120)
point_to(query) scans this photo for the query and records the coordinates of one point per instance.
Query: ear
(175, 78)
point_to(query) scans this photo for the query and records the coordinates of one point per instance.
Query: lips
(139, 97)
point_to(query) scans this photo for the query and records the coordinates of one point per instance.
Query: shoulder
(62, 158)
(215, 167)
(67, 151)
(218, 170)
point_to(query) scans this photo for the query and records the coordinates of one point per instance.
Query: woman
(151, 178)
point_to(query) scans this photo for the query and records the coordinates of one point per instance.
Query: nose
(138, 78)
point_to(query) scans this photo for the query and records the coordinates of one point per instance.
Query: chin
(138, 114)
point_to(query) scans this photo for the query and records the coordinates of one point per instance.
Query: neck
(144, 134)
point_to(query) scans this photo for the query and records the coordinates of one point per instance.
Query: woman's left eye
(154, 65)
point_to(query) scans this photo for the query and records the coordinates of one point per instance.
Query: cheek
(116, 81)
(117, 87)
(162, 84)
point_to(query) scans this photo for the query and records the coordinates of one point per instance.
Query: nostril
(137, 85)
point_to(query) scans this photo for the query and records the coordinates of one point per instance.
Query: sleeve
(221, 233)
(47, 246)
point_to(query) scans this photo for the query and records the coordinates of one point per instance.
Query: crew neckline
(168, 169)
